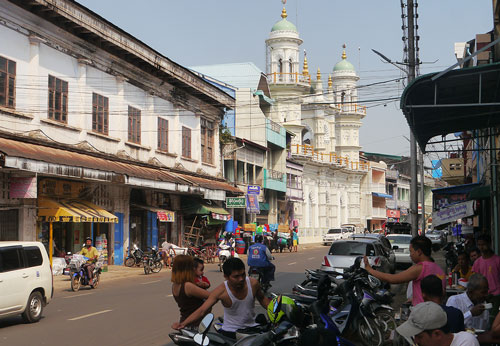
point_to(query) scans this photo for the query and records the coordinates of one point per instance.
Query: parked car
(26, 282)
(389, 252)
(343, 253)
(336, 234)
(437, 239)
(401, 245)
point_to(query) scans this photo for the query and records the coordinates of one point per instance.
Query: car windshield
(335, 230)
(399, 239)
(349, 249)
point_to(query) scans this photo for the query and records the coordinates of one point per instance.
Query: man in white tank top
(237, 294)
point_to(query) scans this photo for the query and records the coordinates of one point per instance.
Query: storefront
(202, 220)
(150, 226)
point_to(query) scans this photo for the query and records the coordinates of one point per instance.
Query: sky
(196, 32)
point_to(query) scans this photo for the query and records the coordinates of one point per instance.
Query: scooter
(225, 251)
(80, 276)
(135, 257)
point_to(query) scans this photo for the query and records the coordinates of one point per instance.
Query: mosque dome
(283, 24)
(344, 65)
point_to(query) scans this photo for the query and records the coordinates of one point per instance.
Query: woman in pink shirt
(424, 265)
(489, 266)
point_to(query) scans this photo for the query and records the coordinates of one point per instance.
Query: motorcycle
(451, 255)
(80, 276)
(135, 257)
(258, 274)
(225, 251)
(153, 262)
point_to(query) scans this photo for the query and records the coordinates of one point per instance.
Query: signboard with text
(253, 189)
(235, 202)
(253, 204)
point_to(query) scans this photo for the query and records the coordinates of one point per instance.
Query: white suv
(336, 234)
(26, 283)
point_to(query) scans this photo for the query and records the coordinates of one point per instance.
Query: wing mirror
(201, 338)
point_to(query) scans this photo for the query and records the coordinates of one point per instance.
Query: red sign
(394, 213)
(166, 216)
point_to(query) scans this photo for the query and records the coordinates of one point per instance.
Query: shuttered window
(134, 125)
(186, 142)
(207, 140)
(58, 99)
(100, 113)
(162, 134)
(7, 83)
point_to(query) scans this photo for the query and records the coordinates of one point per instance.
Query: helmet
(228, 235)
(282, 306)
(259, 238)
(88, 238)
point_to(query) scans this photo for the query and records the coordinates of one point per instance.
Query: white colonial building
(325, 121)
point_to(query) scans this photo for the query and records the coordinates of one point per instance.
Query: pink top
(489, 268)
(428, 268)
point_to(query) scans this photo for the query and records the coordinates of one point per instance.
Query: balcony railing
(353, 108)
(329, 158)
(287, 77)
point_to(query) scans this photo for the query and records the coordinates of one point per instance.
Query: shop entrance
(9, 225)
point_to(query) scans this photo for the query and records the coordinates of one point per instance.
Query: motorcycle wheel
(97, 279)
(75, 283)
(387, 324)
(129, 262)
(147, 268)
(156, 267)
(367, 337)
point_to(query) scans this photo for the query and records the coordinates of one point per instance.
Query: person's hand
(177, 325)
(367, 264)
(477, 309)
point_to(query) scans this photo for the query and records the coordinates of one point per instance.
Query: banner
(21, 187)
(253, 204)
(393, 213)
(235, 202)
(452, 213)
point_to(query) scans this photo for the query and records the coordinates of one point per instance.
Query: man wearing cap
(425, 325)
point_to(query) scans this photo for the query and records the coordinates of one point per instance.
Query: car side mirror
(395, 247)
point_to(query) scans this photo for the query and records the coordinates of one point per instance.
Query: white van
(336, 234)
(26, 283)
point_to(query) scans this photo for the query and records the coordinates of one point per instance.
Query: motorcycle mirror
(201, 339)
(357, 262)
(205, 323)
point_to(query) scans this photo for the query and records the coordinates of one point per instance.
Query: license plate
(66, 271)
(339, 270)
(255, 276)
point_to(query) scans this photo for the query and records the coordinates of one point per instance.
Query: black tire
(129, 262)
(75, 283)
(97, 279)
(387, 323)
(367, 337)
(147, 268)
(156, 267)
(34, 308)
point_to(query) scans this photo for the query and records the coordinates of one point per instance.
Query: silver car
(436, 238)
(343, 253)
(401, 246)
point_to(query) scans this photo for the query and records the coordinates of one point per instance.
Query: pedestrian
(471, 303)
(168, 252)
(432, 291)
(187, 294)
(295, 237)
(489, 266)
(474, 255)
(463, 268)
(199, 279)
(237, 295)
(424, 265)
(425, 327)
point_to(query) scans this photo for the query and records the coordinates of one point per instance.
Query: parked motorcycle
(225, 251)
(451, 256)
(152, 262)
(135, 257)
(80, 276)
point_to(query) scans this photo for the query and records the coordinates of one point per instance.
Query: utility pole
(413, 143)
(422, 188)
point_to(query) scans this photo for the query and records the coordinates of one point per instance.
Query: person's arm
(495, 328)
(268, 254)
(193, 290)
(259, 294)
(409, 274)
(212, 299)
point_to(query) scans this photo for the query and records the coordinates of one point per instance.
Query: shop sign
(253, 189)
(249, 227)
(22, 187)
(166, 216)
(452, 213)
(223, 217)
(253, 204)
(235, 202)
(393, 213)
(62, 188)
(404, 211)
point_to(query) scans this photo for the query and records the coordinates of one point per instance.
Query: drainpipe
(494, 188)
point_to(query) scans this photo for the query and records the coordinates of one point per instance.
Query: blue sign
(253, 189)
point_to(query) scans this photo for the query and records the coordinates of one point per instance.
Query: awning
(67, 210)
(379, 194)
(460, 100)
(163, 215)
(264, 206)
(216, 213)
(454, 190)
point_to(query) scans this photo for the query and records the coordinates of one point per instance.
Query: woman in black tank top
(187, 294)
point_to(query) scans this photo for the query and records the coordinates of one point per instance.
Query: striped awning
(72, 210)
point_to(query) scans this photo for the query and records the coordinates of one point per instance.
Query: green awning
(263, 97)
(264, 206)
(203, 209)
(480, 192)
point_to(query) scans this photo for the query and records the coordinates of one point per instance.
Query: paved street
(132, 311)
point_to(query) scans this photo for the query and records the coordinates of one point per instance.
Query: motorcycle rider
(92, 254)
(259, 256)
